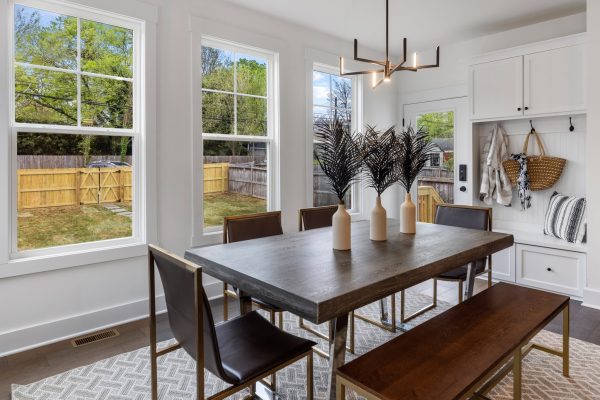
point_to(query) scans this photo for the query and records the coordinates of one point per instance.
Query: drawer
(556, 270)
(503, 265)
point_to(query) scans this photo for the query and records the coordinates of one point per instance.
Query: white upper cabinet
(538, 79)
(497, 89)
(555, 81)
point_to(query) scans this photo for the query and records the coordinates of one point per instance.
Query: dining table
(301, 273)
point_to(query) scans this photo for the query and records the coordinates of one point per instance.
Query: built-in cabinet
(534, 80)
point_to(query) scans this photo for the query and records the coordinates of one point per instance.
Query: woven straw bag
(543, 170)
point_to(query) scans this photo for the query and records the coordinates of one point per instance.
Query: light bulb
(374, 78)
(386, 79)
(415, 60)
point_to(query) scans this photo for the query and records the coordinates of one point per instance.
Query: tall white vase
(341, 228)
(408, 215)
(378, 222)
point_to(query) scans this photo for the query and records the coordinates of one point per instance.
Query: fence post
(78, 187)
(222, 178)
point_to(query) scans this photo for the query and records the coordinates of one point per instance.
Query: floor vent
(94, 337)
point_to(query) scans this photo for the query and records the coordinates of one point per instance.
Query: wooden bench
(461, 353)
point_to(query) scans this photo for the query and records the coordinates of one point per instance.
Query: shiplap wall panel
(559, 142)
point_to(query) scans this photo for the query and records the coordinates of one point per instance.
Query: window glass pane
(341, 92)
(72, 189)
(321, 88)
(217, 113)
(217, 69)
(45, 97)
(251, 116)
(106, 103)
(251, 75)
(106, 49)
(45, 38)
(321, 112)
(235, 179)
(437, 178)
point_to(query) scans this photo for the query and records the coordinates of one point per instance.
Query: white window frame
(272, 135)
(356, 116)
(137, 132)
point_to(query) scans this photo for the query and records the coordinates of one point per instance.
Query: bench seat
(453, 354)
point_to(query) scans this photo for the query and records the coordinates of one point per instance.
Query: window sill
(33, 265)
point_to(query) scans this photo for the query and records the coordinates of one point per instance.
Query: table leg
(337, 351)
(470, 280)
(245, 303)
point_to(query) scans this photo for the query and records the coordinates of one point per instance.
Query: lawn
(219, 205)
(56, 226)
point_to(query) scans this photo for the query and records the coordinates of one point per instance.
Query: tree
(437, 124)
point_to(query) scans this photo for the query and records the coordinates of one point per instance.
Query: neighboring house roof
(444, 144)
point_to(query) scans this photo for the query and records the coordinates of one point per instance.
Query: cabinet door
(555, 81)
(497, 89)
(503, 265)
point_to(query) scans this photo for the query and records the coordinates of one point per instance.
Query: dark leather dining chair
(471, 217)
(241, 351)
(314, 218)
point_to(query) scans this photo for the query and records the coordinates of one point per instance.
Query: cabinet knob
(548, 269)
(526, 108)
(519, 109)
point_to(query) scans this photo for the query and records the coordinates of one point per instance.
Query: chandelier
(386, 67)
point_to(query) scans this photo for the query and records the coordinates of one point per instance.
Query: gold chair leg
(352, 338)
(517, 375)
(460, 292)
(404, 318)
(340, 390)
(566, 334)
(393, 316)
(309, 377)
(225, 303)
(489, 278)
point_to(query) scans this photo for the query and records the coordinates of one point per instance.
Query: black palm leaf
(415, 148)
(381, 156)
(338, 152)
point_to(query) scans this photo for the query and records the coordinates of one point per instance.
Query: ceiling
(424, 22)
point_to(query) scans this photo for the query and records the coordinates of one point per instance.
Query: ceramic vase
(378, 222)
(341, 228)
(408, 215)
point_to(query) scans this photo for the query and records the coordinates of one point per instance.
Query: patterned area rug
(126, 376)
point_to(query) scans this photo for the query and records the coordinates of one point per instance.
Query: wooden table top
(441, 358)
(301, 273)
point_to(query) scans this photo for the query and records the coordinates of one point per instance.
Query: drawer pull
(549, 269)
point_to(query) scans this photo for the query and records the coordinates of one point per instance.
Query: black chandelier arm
(365, 60)
(437, 61)
(377, 71)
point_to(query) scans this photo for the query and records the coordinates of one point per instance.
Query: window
(238, 132)
(333, 96)
(75, 123)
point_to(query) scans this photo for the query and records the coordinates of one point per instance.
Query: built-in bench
(462, 352)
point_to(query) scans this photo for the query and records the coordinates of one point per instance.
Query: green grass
(57, 226)
(219, 205)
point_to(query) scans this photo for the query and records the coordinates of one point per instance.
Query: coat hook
(532, 128)
(571, 127)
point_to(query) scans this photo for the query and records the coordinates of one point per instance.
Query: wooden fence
(216, 178)
(67, 161)
(73, 186)
(440, 179)
(428, 199)
(249, 180)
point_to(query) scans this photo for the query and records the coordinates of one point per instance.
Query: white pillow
(565, 218)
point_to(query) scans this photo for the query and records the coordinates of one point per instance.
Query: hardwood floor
(33, 365)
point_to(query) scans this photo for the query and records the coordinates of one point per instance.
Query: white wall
(591, 295)
(43, 307)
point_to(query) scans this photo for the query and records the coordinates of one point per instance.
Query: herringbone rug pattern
(127, 376)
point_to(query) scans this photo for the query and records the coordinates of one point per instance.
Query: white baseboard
(591, 298)
(54, 331)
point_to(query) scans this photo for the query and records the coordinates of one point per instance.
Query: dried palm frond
(415, 149)
(338, 153)
(381, 156)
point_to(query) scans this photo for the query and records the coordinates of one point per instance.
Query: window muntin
(76, 91)
(237, 131)
(332, 96)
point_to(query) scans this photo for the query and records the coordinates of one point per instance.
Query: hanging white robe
(495, 184)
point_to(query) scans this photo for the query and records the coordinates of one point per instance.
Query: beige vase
(378, 222)
(341, 228)
(408, 215)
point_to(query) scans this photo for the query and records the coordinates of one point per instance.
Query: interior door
(448, 127)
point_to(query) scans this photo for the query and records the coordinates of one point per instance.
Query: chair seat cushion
(460, 273)
(250, 346)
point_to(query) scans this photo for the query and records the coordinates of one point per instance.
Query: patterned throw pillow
(565, 218)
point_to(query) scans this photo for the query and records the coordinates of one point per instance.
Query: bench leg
(517, 375)
(341, 391)
(566, 334)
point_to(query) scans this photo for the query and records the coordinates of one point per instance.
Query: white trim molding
(591, 297)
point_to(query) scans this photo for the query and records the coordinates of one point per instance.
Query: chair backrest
(251, 226)
(315, 217)
(178, 278)
(471, 217)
